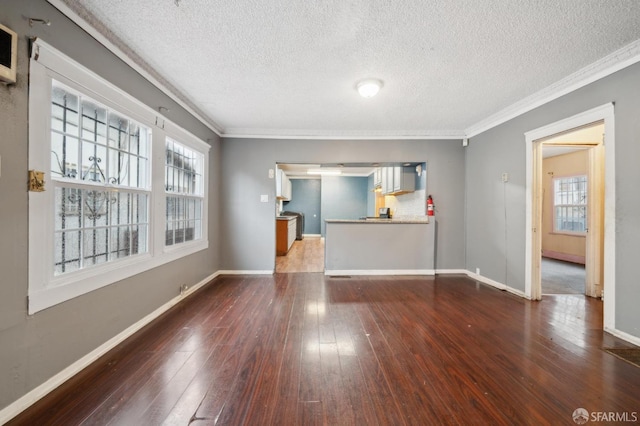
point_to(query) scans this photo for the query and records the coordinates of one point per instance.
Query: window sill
(82, 282)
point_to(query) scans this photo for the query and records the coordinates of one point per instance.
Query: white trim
(621, 58)
(379, 272)
(247, 272)
(72, 73)
(90, 279)
(606, 113)
(451, 271)
(45, 290)
(80, 78)
(30, 398)
(336, 135)
(496, 284)
(624, 336)
(65, 10)
(615, 61)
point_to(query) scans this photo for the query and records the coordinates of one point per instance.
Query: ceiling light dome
(369, 88)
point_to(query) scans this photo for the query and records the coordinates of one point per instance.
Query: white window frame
(555, 230)
(82, 184)
(196, 194)
(45, 289)
(181, 136)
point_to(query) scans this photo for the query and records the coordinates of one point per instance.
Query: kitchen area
(364, 218)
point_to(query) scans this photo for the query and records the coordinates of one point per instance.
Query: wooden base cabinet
(285, 234)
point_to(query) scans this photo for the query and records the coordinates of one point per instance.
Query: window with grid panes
(184, 193)
(99, 166)
(101, 217)
(570, 204)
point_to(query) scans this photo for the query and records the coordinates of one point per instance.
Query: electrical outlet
(505, 177)
(477, 271)
(183, 289)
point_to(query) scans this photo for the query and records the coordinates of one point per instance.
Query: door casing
(599, 154)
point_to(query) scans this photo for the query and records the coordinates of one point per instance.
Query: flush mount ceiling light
(369, 88)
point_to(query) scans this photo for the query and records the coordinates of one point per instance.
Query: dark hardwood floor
(304, 349)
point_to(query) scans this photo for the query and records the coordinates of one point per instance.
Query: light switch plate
(264, 198)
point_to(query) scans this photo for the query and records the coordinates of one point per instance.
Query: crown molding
(238, 133)
(134, 63)
(621, 58)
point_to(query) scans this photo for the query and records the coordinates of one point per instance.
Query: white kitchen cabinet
(404, 179)
(398, 180)
(387, 180)
(377, 177)
(283, 186)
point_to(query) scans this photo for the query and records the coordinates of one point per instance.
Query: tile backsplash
(411, 204)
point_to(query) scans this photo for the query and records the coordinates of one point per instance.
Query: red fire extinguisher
(430, 206)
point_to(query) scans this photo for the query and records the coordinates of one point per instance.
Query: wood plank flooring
(305, 349)
(306, 255)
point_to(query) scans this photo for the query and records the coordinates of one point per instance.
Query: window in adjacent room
(570, 204)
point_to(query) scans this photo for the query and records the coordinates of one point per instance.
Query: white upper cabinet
(377, 178)
(404, 179)
(283, 186)
(398, 180)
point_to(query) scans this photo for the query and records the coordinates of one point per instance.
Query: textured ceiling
(289, 68)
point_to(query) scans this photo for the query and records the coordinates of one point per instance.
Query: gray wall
(248, 236)
(343, 197)
(495, 218)
(305, 198)
(34, 348)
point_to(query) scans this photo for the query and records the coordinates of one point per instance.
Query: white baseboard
(379, 272)
(249, 272)
(620, 334)
(41, 391)
(496, 284)
(451, 271)
(624, 336)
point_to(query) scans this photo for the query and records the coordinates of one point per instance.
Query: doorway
(600, 225)
(306, 252)
(568, 190)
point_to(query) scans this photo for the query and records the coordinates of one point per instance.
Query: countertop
(411, 220)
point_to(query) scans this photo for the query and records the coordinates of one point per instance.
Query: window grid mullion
(93, 236)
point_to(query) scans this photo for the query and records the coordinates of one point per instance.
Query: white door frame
(533, 159)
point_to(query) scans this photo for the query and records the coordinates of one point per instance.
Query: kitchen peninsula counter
(374, 246)
(379, 220)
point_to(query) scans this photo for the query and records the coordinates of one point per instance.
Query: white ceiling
(289, 68)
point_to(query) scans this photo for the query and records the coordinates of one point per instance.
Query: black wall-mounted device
(8, 55)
